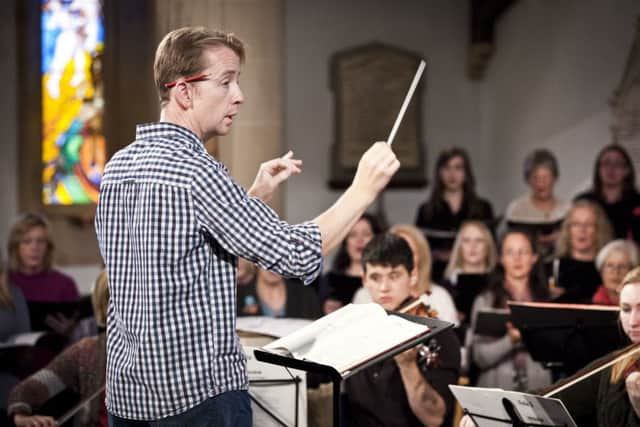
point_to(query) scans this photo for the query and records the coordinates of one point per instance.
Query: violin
(429, 353)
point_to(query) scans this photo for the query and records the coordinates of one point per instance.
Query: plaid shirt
(170, 223)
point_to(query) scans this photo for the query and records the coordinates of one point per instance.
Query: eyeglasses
(196, 78)
(613, 164)
(616, 268)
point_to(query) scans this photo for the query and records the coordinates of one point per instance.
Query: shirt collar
(167, 130)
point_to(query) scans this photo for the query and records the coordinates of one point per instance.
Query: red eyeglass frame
(199, 77)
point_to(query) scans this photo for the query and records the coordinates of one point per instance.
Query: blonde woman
(573, 272)
(474, 255)
(439, 298)
(611, 397)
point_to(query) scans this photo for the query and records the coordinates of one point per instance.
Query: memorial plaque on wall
(369, 84)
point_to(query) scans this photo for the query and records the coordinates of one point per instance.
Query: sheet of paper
(280, 399)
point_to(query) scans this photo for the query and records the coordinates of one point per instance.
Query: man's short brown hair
(179, 54)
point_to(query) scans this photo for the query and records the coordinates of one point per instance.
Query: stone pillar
(256, 135)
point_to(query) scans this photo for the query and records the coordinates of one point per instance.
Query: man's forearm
(425, 402)
(335, 222)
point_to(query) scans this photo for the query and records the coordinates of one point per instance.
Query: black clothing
(377, 397)
(624, 215)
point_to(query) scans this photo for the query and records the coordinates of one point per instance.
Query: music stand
(287, 360)
(566, 337)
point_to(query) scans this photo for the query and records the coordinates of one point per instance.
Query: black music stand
(566, 337)
(287, 360)
(486, 406)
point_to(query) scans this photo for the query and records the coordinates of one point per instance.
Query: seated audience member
(406, 390)
(453, 200)
(273, 296)
(614, 189)
(540, 205)
(611, 397)
(614, 261)
(504, 362)
(437, 296)
(80, 367)
(474, 253)
(246, 303)
(337, 287)
(30, 269)
(14, 319)
(573, 274)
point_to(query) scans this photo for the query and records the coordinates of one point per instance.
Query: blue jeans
(230, 409)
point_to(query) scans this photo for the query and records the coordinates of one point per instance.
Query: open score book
(349, 337)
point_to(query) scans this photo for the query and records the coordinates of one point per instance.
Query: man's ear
(183, 95)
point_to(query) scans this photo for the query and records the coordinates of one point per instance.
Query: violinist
(611, 396)
(412, 388)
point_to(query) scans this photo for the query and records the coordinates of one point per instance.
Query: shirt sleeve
(245, 226)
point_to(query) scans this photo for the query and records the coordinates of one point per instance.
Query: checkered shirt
(170, 223)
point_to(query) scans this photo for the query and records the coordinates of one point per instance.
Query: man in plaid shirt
(170, 224)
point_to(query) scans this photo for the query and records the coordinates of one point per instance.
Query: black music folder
(535, 228)
(349, 340)
(492, 322)
(567, 336)
(468, 287)
(38, 311)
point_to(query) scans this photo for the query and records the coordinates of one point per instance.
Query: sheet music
(349, 336)
(270, 326)
(532, 409)
(280, 398)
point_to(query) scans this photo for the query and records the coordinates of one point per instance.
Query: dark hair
(388, 250)
(342, 261)
(437, 202)
(540, 158)
(629, 183)
(537, 280)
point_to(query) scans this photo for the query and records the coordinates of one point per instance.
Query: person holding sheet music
(572, 273)
(504, 361)
(410, 389)
(611, 396)
(614, 261)
(80, 367)
(540, 206)
(614, 189)
(453, 200)
(473, 257)
(170, 224)
(30, 268)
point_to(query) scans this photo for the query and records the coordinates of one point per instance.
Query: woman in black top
(615, 191)
(453, 200)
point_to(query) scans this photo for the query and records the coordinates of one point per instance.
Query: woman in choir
(573, 273)
(275, 296)
(504, 362)
(30, 269)
(611, 396)
(81, 368)
(614, 189)
(453, 200)
(540, 206)
(338, 286)
(474, 256)
(614, 261)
